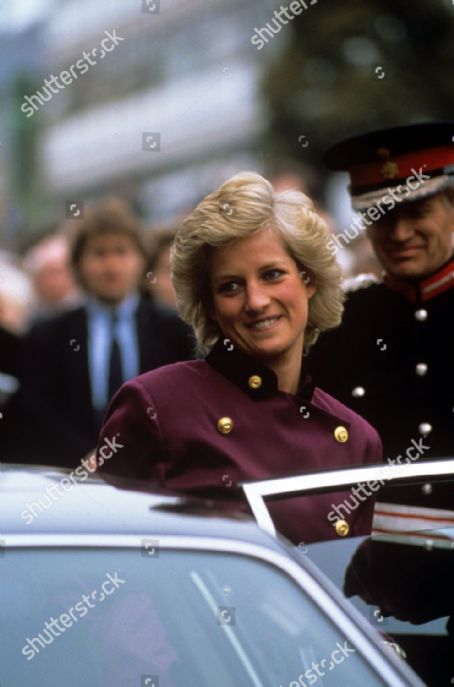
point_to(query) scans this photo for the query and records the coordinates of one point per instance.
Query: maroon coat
(164, 427)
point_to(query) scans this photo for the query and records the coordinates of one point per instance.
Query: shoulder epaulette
(360, 281)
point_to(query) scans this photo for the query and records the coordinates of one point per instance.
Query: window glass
(168, 619)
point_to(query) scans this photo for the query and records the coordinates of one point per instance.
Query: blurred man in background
(47, 263)
(392, 357)
(74, 362)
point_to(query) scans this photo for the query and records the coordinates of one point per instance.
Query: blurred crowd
(85, 308)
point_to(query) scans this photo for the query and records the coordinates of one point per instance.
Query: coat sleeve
(130, 442)
(362, 519)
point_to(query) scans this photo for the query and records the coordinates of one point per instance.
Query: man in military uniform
(392, 359)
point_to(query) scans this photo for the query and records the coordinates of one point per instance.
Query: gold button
(342, 528)
(255, 382)
(341, 434)
(225, 425)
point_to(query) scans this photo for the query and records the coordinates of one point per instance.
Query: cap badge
(390, 170)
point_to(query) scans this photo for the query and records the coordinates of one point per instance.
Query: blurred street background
(188, 97)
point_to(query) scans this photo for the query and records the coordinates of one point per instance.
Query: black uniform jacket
(392, 360)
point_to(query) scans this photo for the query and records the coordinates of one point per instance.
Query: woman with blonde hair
(256, 280)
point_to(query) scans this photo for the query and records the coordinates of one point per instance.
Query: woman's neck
(288, 374)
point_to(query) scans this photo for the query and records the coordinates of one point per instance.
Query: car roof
(33, 501)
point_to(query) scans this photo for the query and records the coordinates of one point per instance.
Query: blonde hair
(242, 206)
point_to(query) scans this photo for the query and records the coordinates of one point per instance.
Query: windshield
(164, 618)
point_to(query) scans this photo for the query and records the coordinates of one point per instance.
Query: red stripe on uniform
(414, 516)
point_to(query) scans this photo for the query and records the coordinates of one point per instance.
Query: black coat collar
(239, 367)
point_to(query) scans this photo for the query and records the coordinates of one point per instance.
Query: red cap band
(398, 167)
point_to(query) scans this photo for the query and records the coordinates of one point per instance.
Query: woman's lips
(264, 324)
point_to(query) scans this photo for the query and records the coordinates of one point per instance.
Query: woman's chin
(267, 352)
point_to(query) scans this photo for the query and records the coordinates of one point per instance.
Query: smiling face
(414, 240)
(259, 298)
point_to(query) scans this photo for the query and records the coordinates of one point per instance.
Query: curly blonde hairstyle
(243, 205)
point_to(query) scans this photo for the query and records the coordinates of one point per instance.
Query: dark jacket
(10, 347)
(9, 353)
(392, 361)
(56, 394)
(173, 427)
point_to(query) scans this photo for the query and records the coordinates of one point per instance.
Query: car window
(164, 618)
(402, 584)
(407, 507)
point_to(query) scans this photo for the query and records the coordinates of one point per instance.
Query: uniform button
(421, 315)
(341, 434)
(358, 391)
(225, 425)
(426, 489)
(425, 428)
(342, 528)
(421, 369)
(255, 382)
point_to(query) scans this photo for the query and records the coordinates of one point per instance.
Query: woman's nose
(256, 297)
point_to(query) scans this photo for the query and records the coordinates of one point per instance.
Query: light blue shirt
(99, 319)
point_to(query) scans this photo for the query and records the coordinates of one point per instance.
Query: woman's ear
(305, 276)
(308, 282)
(310, 290)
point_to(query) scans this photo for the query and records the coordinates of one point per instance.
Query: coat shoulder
(366, 293)
(331, 405)
(364, 304)
(60, 319)
(359, 282)
(56, 325)
(174, 376)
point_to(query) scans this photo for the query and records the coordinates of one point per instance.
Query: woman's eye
(270, 275)
(229, 287)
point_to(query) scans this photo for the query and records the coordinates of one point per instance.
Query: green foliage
(326, 83)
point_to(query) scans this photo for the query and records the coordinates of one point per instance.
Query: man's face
(111, 267)
(414, 239)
